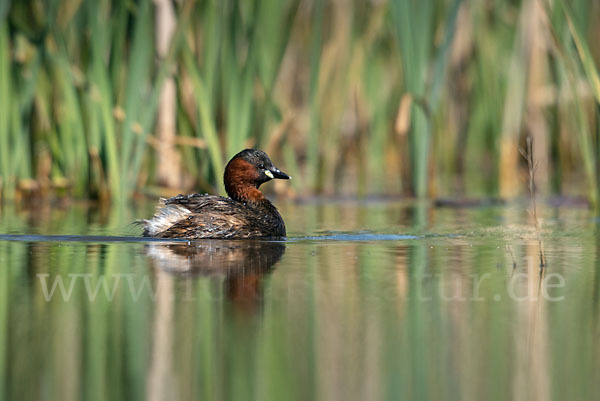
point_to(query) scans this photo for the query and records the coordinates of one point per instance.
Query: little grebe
(245, 214)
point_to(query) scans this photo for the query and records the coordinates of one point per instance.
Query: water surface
(363, 301)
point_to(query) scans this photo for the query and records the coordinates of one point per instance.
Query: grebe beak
(276, 173)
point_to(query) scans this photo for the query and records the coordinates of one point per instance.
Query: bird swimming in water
(247, 213)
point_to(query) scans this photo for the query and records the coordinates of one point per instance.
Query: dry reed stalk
(169, 163)
(532, 166)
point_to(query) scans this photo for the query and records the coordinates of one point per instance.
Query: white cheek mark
(269, 174)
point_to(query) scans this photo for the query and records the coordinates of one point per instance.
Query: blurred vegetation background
(107, 99)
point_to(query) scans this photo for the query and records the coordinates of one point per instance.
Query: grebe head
(246, 171)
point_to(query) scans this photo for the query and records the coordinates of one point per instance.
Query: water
(364, 301)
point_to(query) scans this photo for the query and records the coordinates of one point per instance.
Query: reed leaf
(587, 61)
(207, 125)
(6, 109)
(413, 26)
